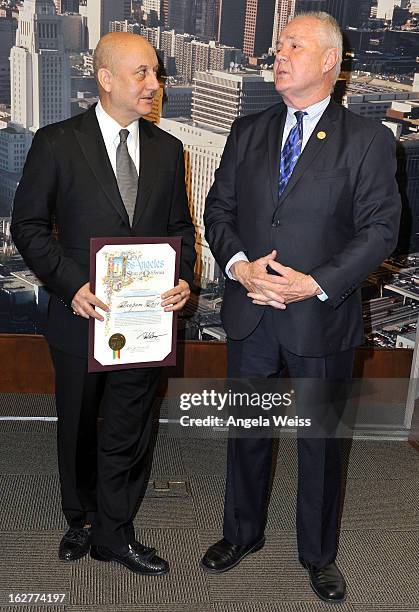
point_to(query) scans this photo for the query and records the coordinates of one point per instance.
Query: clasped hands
(271, 290)
(84, 301)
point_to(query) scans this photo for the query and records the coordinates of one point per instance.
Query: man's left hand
(296, 286)
(176, 298)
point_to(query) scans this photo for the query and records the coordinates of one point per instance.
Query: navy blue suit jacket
(337, 220)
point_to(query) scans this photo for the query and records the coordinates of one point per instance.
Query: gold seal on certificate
(130, 275)
(117, 342)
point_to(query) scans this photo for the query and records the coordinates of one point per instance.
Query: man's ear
(104, 76)
(331, 59)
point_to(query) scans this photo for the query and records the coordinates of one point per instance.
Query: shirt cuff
(322, 296)
(240, 256)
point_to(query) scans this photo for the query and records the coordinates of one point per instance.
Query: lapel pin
(321, 135)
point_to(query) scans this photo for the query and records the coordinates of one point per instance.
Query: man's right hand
(254, 277)
(83, 302)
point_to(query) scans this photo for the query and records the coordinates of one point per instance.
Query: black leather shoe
(136, 557)
(74, 544)
(327, 582)
(223, 556)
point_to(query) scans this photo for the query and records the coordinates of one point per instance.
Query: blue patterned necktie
(291, 151)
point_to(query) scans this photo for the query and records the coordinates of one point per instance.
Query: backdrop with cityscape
(217, 57)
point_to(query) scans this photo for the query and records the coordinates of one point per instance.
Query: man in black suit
(304, 206)
(107, 172)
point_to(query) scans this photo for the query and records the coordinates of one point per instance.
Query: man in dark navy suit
(107, 172)
(304, 206)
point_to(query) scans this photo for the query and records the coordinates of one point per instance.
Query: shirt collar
(111, 128)
(312, 111)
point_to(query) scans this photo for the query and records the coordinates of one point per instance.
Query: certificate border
(95, 245)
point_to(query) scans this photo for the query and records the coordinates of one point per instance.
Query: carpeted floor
(182, 514)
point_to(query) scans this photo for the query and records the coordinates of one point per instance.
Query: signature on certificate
(150, 335)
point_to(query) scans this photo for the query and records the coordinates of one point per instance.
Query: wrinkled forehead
(136, 54)
(302, 29)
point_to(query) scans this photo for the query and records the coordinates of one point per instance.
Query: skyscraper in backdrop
(258, 26)
(231, 22)
(221, 97)
(100, 13)
(8, 28)
(181, 15)
(40, 89)
(152, 12)
(40, 67)
(284, 12)
(206, 18)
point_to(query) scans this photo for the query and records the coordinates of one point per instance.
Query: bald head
(113, 47)
(126, 69)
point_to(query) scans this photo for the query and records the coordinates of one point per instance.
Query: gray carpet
(182, 514)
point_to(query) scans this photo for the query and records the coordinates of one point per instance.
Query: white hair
(332, 34)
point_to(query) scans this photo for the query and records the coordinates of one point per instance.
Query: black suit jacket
(68, 175)
(337, 220)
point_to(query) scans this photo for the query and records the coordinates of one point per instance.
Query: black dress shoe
(74, 544)
(136, 557)
(327, 582)
(223, 556)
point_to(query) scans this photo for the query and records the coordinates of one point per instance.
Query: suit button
(276, 224)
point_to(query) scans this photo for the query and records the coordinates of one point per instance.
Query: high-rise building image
(258, 26)
(181, 15)
(40, 68)
(206, 18)
(100, 13)
(231, 22)
(164, 13)
(7, 41)
(220, 97)
(284, 12)
(203, 150)
(152, 12)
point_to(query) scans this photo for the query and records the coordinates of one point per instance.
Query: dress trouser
(103, 469)
(249, 459)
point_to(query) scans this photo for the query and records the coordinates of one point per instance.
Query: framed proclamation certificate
(129, 275)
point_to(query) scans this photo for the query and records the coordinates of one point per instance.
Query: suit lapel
(94, 150)
(313, 147)
(149, 165)
(275, 132)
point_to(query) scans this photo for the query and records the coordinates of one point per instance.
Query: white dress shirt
(310, 120)
(110, 131)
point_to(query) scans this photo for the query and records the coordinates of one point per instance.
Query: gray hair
(332, 34)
